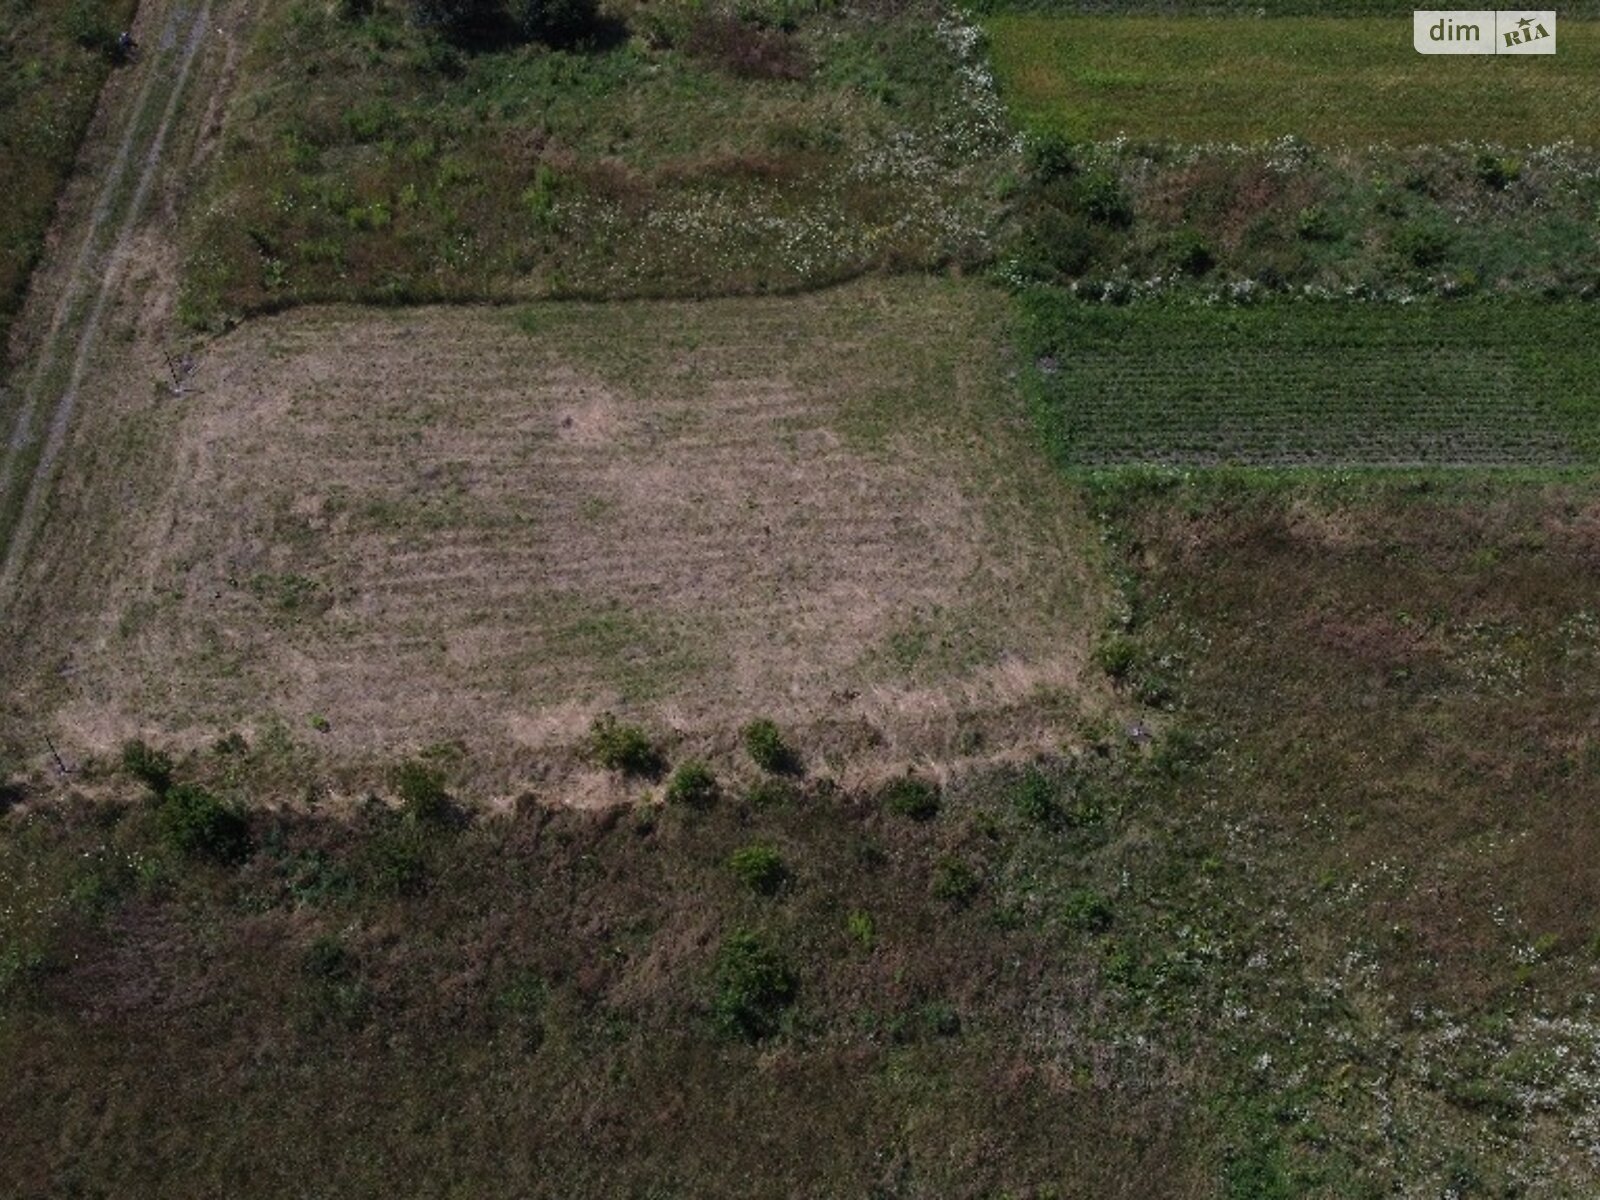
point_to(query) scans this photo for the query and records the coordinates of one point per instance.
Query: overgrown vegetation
(769, 148)
(1135, 190)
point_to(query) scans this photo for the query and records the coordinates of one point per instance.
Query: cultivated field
(1319, 383)
(1333, 80)
(461, 524)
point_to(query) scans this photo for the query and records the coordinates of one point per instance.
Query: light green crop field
(1348, 81)
(1319, 384)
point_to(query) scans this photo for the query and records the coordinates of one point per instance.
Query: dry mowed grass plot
(388, 530)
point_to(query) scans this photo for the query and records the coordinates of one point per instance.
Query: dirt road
(172, 36)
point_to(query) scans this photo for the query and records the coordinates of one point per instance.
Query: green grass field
(1346, 81)
(1318, 383)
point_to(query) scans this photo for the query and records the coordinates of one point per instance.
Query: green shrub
(760, 868)
(940, 1019)
(197, 824)
(1190, 254)
(1117, 656)
(85, 23)
(1061, 245)
(770, 793)
(859, 925)
(421, 791)
(1050, 157)
(395, 861)
(911, 797)
(521, 1005)
(151, 767)
(1496, 172)
(555, 22)
(1035, 800)
(1104, 200)
(1423, 244)
(1089, 911)
(621, 747)
(693, 784)
(955, 882)
(766, 747)
(754, 986)
(1314, 224)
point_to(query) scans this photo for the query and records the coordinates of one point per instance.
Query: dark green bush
(421, 791)
(1061, 245)
(618, 746)
(1314, 224)
(554, 22)
(149, 766)
(1423, 244)
(395, 861)
(1190, 254)
(770, 793)
(955, 882)
(760, 868)
(693, 784)
(1089, 911)
(1497, 172)
(488, 23)
(85, 23)
(911, 797)
(1035, 799)
(766, 747)
(327, 959)
(464, 19)
(1117, 656)
(197, 824)
(1102, 197)
(1050, 157)
(754, 986)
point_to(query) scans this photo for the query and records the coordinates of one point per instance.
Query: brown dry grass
(488, 527)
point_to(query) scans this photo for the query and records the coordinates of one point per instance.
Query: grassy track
(1329, 80)
(52, 64)
(1484, 384)
(37, 428)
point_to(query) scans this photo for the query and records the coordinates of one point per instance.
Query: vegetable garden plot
(1319, 384)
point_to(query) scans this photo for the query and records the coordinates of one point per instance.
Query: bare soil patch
(382, 531)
